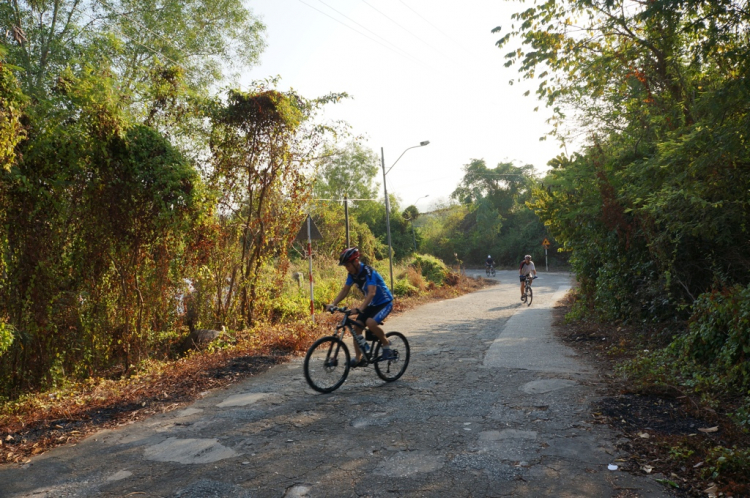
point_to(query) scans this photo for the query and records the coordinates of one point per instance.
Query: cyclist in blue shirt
(377, 304)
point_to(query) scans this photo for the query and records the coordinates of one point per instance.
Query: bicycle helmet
(348, 255)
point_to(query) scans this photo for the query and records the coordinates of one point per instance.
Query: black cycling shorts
(378, 313)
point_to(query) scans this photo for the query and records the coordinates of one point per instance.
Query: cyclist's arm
(342, 294)
(371, 291)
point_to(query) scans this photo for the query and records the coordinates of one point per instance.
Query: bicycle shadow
(509, 307)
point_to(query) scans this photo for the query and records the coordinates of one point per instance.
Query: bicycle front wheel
(327, 364)
(390, 370)
(529, 295)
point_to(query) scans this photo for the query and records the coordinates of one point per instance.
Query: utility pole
(346, 218)
(387, 216)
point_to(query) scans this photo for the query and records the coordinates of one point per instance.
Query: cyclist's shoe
(387, 355)
(523, 298)
(354, 363)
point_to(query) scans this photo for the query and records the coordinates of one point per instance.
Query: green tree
(11, 108)
(372, 214)
(443, 234)
(348, 170)
(655, 201)
(261, 142)
(92, 220)
(498, 221)
(204, 38)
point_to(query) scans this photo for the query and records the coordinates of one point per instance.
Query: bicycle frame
(348, 323)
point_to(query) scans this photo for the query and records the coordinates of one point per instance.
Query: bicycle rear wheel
(529, 295)
(390, 370)
(327, 364)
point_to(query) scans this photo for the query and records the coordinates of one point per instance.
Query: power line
(438, 29)
(356, 31)
(405, 29)
(365, 27)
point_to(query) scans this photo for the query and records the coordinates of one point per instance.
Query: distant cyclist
(378, 301)
(527, 266)
(489, 262)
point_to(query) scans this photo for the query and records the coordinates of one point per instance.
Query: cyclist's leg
(357, 352)
(376, 329)
(373, 323)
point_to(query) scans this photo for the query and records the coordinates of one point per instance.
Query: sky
(417, 70)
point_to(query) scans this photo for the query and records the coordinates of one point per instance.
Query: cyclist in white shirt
(527, 266)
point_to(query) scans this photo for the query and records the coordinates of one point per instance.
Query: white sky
(430, 70)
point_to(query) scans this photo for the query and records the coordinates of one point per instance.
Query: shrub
(402, 287)
(415, 278)
(433, 269)
(6, 336)
(719, 335)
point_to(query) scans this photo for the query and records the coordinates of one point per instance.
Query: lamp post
(388, 204)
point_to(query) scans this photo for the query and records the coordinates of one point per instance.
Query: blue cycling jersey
(367, 277)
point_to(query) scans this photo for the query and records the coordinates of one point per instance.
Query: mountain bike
(490, 271)
(327, 361)
(528, 294)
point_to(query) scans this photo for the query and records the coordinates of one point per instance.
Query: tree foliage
(655, 206)
(261, 142)
(491, 218)
(202, 37)
(93, 212)
(128, 193)
(347, 171)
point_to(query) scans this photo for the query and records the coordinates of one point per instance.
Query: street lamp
(388, 204)
(413, 236)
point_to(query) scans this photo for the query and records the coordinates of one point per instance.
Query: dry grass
(41, 421)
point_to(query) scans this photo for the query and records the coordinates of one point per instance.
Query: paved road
(491, 405)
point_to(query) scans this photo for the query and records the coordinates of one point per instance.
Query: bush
(6, 336)
(719, 335)
(415, 278)
(433, 269)
(402, 287)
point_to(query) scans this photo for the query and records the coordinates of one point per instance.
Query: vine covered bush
(719, 335)
(433, 269)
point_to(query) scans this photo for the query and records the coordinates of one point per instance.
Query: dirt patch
(663, 430)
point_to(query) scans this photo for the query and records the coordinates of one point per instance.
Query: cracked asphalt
(492, 405)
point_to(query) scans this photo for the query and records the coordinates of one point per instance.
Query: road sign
(309, 232)
(314, 232)
(545, 243)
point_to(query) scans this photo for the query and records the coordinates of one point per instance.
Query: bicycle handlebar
(342, 309)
